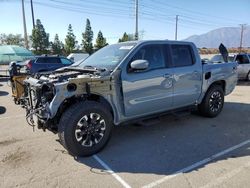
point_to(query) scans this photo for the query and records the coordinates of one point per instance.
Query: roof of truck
(158, 41)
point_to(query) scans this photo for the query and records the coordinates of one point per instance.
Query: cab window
(153, 54)
(182, 55)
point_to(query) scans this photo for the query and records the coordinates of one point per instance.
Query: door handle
(195, 72)
(167, 75)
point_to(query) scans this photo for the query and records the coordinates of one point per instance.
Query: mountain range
(229, 36)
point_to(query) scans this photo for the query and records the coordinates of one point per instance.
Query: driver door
(151, 90)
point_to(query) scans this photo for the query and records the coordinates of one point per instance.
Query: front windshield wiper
(79, 69)
(102, 69)
(89, 67)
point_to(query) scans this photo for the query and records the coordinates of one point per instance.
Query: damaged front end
(38, 96)
(47, 96)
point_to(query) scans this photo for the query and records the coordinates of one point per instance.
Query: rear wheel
(248, 76)
(213, 102)
(85, 128)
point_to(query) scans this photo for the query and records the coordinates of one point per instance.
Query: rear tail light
(29, 64)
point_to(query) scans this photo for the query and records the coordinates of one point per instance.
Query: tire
(213, 102)
(85, 128)
(248, 76)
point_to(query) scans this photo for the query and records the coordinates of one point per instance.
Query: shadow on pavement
(4, 93)
(243, 83)
(3, 79)
(173, 144)
(2, 110)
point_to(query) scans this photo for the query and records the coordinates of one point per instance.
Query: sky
(114, 17)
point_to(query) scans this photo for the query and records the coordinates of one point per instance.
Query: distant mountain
(229, 36)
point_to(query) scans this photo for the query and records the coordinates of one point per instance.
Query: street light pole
(32, 12)
(176, 26)
(24, 27)
(136, 19)
(241, 35)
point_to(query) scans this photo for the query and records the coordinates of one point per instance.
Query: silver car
(244, 66)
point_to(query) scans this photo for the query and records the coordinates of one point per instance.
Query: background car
(45, 63)
(243, 60)
(219, 59)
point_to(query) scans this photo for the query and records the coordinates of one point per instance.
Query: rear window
(242, 59)
(50, 60)
(182, 55)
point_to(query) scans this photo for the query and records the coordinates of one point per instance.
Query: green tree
(126, 37)
(100, 41)
(40, 39)
(88, 38)
(11, 39)
(57, 45)
(70, 40)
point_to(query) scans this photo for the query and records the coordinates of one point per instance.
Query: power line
(155, 11)
(197, 13)
(90, 5)
(83, 10)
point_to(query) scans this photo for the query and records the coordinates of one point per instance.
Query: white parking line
(195, 165)
(109, 170)
(11, 117)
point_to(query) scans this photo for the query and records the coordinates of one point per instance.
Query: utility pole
(176, 26)
(241, 35)
(32, 12)
(24, 27)
(136, 19)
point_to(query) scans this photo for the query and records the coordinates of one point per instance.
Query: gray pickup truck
(123, 83)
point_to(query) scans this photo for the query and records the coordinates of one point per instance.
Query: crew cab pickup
(121, 83)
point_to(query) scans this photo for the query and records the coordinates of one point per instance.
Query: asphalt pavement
(186, 151)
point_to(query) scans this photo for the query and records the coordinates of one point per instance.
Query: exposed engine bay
(47, 95)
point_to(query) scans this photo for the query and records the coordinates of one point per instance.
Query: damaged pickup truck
(121, 83)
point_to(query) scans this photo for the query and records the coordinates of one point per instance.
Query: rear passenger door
(187, 75)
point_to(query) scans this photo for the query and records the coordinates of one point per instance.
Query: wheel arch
(204, 107)
(102, 100)
(248, 76)
(90, 97)
(221, 83)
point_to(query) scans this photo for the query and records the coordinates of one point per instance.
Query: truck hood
(66, 73)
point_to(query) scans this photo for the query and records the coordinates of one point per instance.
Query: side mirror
(139, 65)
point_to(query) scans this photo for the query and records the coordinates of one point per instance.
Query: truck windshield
(108, 57)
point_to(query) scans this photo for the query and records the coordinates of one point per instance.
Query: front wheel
(85, 128)
(213, 102)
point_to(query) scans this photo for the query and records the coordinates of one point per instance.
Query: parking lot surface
(186, 151)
